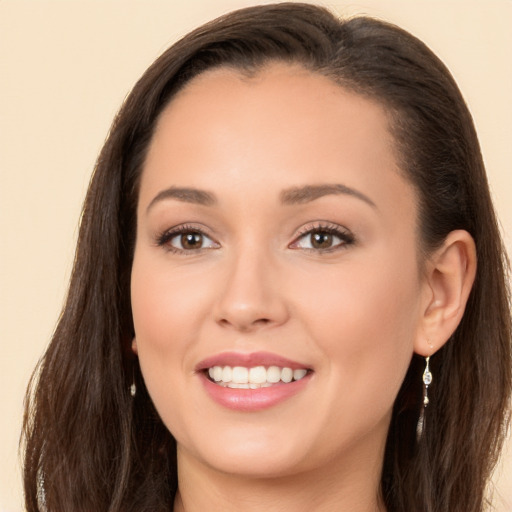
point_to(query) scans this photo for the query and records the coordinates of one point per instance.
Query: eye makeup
(323, 237)
(320, 237)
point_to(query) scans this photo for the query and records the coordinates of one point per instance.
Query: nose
(252, 295)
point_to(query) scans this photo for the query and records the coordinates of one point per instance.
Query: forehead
(283, 103)
(286, 84)
(283, 126)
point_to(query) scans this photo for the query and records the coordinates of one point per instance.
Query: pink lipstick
(252, 382)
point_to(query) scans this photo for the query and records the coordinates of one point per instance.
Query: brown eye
(191, 241)
(324, 239)
(186, 240)
(321, 240)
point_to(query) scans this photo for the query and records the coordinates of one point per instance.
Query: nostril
(262, 321)
(242, 325)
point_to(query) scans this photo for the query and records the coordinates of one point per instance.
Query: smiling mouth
(240, 377)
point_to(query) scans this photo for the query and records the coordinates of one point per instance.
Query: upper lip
(249, 360)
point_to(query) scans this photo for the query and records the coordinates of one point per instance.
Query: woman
(289, 289)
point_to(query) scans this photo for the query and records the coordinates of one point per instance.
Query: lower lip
(249, 400)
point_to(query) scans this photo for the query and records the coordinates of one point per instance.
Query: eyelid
(163, 239)
(337, 230)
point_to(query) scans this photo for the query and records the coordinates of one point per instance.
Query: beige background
(66, 66)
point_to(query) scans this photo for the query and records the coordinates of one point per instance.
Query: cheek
(365, 323)
(167, 312)
(378, 298)
(167, 305)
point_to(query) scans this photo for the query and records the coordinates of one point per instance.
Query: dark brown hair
(90, 447)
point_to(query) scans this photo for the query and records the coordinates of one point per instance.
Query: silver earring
(133, 387)
(427, 380)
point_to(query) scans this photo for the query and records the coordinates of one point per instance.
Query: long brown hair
(90, 446)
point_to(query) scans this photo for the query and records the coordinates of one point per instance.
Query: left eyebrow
(308, 193)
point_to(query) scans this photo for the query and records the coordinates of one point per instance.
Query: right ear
(135, 350)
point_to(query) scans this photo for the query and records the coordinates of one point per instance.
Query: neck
(350, 486)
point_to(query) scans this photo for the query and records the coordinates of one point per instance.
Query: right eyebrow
(185, 194)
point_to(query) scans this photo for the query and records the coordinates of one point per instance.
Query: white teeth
(217, 373)
(258, 375)
(239, 377)
(286, 375)
(298, 374)
(227, 374)
(238, 385)
(273, 374)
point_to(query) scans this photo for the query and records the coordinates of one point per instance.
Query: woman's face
(276, 240)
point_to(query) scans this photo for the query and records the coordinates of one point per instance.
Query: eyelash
(346, 237)
(165, 238)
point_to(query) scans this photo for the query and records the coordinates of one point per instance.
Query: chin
(251, 454)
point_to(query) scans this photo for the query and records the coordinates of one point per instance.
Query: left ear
(449, 276)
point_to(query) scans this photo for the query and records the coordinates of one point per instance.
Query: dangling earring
(427, 380)
(133, 387)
